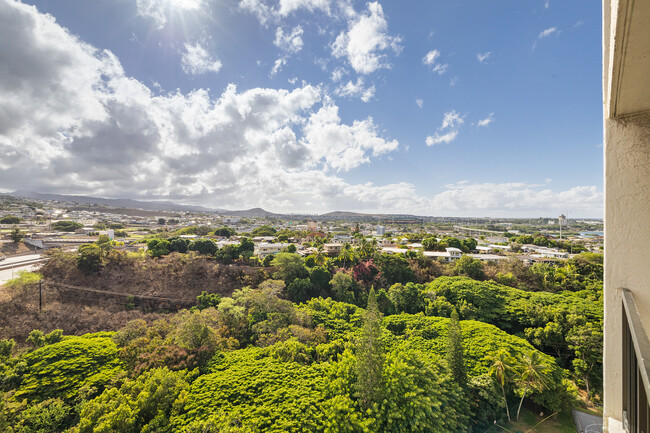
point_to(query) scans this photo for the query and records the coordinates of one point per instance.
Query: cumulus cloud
(277, 66)
(72, 121)
(196, 60)
(487, 120)
(431, 59)
(289, 42)
(366, 42)
(419, 102)
(159, 10)
(356, 90)
(483, 57)
(448, 130)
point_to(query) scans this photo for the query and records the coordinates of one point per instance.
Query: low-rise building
(333, 249)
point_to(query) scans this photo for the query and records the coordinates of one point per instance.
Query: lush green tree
(587, 343)
(16, 235)
(430, 244)
(370, 353)
(267, 261)
(395, 269)
(178, 244)
(320, 277)
(289, 267)
(501, 369)
(264, 230)
(470, 267)
(157, 247)
(346, 255)
(300, 290)
(207, 300)
(408, 298)
(246, 247)
(203, 246)
(144, 404)
(455, 355)
(49, 416)
(227, 254)
(468, 244)
(66, 226)
(291, 248)
(533, 372)
(343, 286)
(161, 221)
(90, 258)
(225, 232)
(10, 219)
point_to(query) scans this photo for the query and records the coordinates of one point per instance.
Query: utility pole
(40, 296)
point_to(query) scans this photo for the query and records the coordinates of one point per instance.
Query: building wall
(627, 239)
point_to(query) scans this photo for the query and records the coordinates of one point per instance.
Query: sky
(441, 108)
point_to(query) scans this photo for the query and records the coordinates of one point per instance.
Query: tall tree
(501, 369)
(455, 356)
(370, 357)
(532, 375)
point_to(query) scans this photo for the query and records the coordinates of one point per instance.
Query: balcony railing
(636, 369)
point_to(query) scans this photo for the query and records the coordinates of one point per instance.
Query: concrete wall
(627, 239)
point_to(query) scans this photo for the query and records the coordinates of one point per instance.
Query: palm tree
(319, 257)
(500, 369)
(346, 254)
(533, 375)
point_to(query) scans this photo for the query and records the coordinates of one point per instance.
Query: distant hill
(251, 213)
(114, 202)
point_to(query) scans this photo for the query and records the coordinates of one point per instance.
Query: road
(586, 423)
(10, 267)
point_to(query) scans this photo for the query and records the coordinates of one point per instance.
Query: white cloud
(431, 59)
(448, 130)
(289, 42)
(546, 33)
(90, 129)
(516, 198)
(483, 57)
(366, 42)
(357, 90)
(419, 102)
(338, 73)
(277, 66)
(546, 4)
(196, 60)
(158, 10)
(487, 120)
(273, 11)
(453, 81)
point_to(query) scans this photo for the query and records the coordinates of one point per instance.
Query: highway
(11, 265)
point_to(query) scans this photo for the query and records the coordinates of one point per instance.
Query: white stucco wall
(627, 239)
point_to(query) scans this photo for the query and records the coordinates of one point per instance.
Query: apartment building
(626, 112)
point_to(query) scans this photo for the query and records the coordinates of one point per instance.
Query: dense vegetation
(362, 342)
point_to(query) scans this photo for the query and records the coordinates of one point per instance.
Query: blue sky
(483, 108)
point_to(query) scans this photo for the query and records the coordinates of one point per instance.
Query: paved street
(586, 423)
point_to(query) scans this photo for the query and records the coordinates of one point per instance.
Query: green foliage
(90, 259)
(225, 232)
(206, 300)
(264, 231)
(66, 226)
(343, 286)
(395, 269)
(179, 245)
(300, 290)
(36, 339)
(49, 416)
(59, 370)
(470, 267)
(157, 247)
(289, 267)
(266, 394)
(455, 356)
(203, 246)
(408, 298)
(144, 404)
(16, 235)
(24, 280)
(369, 387)
(10, 219)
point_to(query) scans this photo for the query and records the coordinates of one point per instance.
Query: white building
(381, 230)
(263, 249)
(332, 249)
